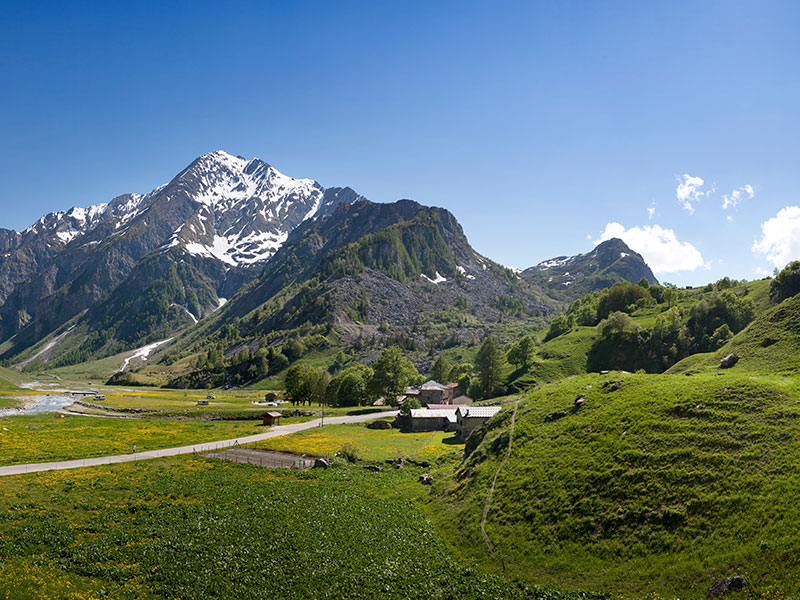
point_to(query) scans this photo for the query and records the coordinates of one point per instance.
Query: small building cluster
(444, 410)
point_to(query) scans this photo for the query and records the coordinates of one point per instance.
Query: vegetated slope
(368, 276)
(770, 344)
(663, 485)
(9, 379)
(567, 278)
(633, 327)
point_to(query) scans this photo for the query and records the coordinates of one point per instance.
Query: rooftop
(432, 385)
(483, 412)
(424, 413)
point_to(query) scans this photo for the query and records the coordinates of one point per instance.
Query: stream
(42, 404)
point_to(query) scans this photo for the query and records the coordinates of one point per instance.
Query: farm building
(433, 392)
(271, 397)
(202, 402)
(424, 419)
(470, 417)
(271, 418)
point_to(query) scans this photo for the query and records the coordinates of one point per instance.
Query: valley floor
(657, 487)
(197, 528)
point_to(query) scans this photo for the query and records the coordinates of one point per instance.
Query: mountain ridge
(144, 267)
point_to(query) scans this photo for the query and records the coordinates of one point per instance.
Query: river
(41, 404)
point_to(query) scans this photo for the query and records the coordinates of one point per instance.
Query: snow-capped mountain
(247, 208)
(223, 214)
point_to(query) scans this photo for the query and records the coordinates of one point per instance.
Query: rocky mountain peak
(569, 277)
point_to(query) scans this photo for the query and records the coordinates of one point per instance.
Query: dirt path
(494, 482)
(278, 431)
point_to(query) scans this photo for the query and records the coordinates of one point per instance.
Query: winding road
(277, 431)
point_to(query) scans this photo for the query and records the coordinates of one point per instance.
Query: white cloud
(651, 211)
(659, 247)
(690, 191)
(746, 192)
(780, 237)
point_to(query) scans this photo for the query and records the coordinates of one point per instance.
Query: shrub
(560, 325)
(349, 452)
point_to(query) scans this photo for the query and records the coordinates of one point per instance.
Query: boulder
(420, 463)
(579, 402)
(322, 463)
(723, 586)
(379, 425)
(730, 360)
(375, 468)
(397, 463)
(612, 386)
(426, 479)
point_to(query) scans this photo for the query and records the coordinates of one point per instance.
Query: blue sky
(541, 126)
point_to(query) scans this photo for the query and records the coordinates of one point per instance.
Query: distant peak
(220, 157)
(613, 243)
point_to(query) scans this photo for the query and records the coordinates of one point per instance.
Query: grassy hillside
(770, 344)
(661, 486)
(10, 379)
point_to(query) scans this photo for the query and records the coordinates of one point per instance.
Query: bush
(349, 452)
(560, 325)
(408, 404)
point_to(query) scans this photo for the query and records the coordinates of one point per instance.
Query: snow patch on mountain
(67, 236)
(218, 249)
(437, 280)
(143, 353)
(555, 262)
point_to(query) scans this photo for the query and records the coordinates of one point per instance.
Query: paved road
(204, 447)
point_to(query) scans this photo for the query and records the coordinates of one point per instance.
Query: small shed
(202, 402)
(271, 397)
(470, 417)
(271, 417)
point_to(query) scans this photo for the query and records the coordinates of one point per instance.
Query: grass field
(372, 444)
(225, 404)
(197, 529)
(50, 437)
(662, 486)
